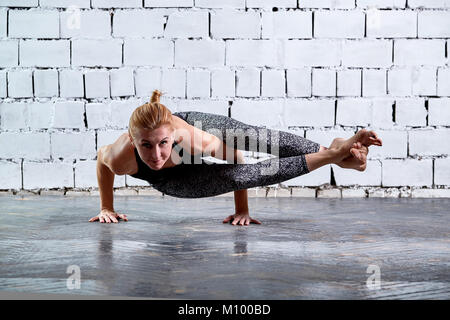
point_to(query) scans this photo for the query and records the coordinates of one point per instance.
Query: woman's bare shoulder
(121, 153)
(190, 138)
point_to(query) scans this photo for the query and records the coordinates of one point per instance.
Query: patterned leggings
(193, 180)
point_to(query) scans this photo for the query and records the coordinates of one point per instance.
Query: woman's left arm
(220, 150)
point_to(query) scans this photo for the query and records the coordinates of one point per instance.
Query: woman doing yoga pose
(167, 150)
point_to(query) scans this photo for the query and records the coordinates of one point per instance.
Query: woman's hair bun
(156, 96)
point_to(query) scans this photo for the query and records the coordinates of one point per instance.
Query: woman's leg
(206, 180)
(247, 137)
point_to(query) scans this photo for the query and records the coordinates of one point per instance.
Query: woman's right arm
(105, 179)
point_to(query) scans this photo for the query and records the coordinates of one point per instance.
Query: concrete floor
(306, 248)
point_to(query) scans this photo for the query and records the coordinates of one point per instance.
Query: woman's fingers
(236, 220)
(108, 217)
(227, 219)
(356, 154)
(113, 219)
(244, 220)
(254, 221)
(375, 139)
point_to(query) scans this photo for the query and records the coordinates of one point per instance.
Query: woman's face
(154, 146)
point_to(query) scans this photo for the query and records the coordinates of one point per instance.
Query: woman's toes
(357, 154)
(368, 138)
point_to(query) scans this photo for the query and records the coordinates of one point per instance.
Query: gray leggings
(193, 180)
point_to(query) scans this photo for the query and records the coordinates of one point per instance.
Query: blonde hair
(150, 115)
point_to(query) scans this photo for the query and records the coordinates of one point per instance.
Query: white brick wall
(73, 145)
(137, 23)
(146, 80)
(40, 115)
(3, 84)
(20, 83)
(228, 23)
(45, 53)
(327, 4)
(309, 113)
(85, 24)
(64, 3)
(257, 53)
(354, 112)
(33, 23)
(273, 83)
(428, 4)
(443, 86)
(71, 84)
(299, 82)
(19, 3)
(391, 24)
(223, 83)
(11, 173)
(411, 172)
(122, 82)
(349, 82)
(287, 24)
(418, 52)
(248, 82)
(438, 112)
(69, 114)
(339, 24)
(410, 112)
(38, 145)
(441, 169)
(3, 22)
(321, 53)
(374, 83)
(143, 52)
(199, 53)
(323, 82)
(430, 142)
(381, 3)
(97, 53)
(187, 24)
(73, 77)
(369, 177)
(97, 84)
(45, 83)
(434, 24)
(9, 53)
(56, 174)
(377, 53)
(198, 84)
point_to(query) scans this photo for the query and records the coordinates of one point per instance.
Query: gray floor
(178, 248)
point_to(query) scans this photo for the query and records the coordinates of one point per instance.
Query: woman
(166, 150)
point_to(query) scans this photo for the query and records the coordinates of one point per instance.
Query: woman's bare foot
(358, 158)
(366, 138)
(363, 137)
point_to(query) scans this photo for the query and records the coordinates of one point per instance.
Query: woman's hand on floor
(108, 216)
(241, 219)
